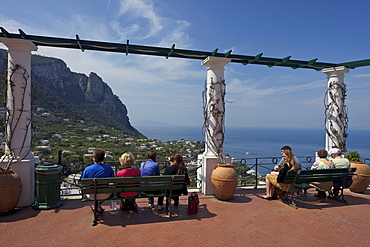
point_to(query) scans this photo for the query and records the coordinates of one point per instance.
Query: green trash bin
(47, 187)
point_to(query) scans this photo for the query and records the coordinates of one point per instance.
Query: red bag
(193, 203)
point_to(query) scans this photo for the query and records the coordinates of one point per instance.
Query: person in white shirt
(339, 161)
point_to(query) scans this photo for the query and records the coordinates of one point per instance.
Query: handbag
(193, 203)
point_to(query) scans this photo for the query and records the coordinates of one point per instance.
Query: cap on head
(334, 151)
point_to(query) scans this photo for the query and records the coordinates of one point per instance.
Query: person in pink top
(127, 160)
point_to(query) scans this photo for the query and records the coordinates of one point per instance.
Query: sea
(245, 143)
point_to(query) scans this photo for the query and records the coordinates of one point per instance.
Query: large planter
(224, 181)
(361, 178)
(10, 191)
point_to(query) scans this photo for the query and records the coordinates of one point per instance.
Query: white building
(143, 148)
(45, 142)
(43, 147)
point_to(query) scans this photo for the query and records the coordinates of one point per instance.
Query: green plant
(353, 156)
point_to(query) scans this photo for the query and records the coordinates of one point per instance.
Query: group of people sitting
(290, 162)
(148, 168)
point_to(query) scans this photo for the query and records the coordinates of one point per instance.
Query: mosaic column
(18, 123)
(336, 119)
(214, 113)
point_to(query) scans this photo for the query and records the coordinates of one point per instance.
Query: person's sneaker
(160, 207)
(151, 206)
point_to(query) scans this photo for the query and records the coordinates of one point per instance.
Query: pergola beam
(79, 43)
(254, 59)
(170, 52)
(175, 53)
(282, 61)
(355, 64)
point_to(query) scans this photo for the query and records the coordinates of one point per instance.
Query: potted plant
(224, 177)
(353, 156)
(361, 177)
(11, 188)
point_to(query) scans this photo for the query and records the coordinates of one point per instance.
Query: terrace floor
(246, 220)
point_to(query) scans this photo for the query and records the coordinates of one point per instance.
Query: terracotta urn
(224, 181)
(10, 191)
(361, 177)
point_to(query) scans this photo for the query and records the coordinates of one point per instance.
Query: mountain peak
(74, 95)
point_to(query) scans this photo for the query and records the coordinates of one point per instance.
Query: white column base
(26, 171)
(207, 162)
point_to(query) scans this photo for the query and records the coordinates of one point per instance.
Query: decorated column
(336, 119)
(18, 116)
(214, 114)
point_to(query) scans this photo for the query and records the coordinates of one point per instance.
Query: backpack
(193, 203)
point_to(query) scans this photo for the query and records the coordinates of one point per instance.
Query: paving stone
(245, 220)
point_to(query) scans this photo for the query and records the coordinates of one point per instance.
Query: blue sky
(170, 90)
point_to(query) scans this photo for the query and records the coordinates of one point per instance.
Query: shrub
(353, 156)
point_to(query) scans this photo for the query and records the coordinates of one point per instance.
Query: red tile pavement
(245, 220)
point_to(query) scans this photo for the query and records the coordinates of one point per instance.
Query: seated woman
(322, 163)
(275, 180)
(177, 167)
(128, 160)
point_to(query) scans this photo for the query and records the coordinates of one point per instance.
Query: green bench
(153, 186)
(302, 179)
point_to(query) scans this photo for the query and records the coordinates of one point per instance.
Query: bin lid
(49, 168)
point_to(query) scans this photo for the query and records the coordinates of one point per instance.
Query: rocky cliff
(74, 95)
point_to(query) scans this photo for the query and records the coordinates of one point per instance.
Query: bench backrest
(131, 184)
(319, 175)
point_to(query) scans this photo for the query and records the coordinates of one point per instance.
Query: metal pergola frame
(177, 53)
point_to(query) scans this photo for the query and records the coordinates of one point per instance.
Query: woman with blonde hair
(127, 160)
(276, 180)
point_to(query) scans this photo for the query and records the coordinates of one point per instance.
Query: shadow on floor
(145, 216)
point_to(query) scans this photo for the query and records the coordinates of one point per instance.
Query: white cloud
(261, 89)
(169, 90)
(176, 34)
(138, 9)
(367, 75)
(126, 32)
(319, 100)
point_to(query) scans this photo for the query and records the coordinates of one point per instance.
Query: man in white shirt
(339, 162)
